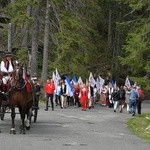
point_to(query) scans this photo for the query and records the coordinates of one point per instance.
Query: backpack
(121, 94)
(141, 95)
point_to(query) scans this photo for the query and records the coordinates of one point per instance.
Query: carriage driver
(7, 66)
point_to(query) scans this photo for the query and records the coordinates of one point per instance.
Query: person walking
(133, 99)
(84, 97)
(91, 96)
(63, 95)
(58, 94)
(49, 93)
(110, 91)
(76, 95)
(121, 98)
(127, 98)
(95, 95)
(103, 96)
(37, 87)
(115, 98)
(140, 99)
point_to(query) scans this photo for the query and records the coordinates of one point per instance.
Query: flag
(80, 81)
(86, 82)
(135, 84)
(113, 83)
(69, 87)
(127, 83)
(102, 81)
(74, 80)
(54, 78)
(98, 84)
(57, 76)
(91, 79)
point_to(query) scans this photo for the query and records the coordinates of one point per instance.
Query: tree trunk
(34, 62)
(10, 37)
(10, 27)
(46, 43)
(25, 38)
(110, 50)
(109, 31)
(26, 29)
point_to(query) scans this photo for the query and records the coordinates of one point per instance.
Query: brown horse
(21, 98)
(3, 104)
(2, 98)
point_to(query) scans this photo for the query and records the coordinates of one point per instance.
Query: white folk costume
(7, 67)
(103, 101)
(110, 91)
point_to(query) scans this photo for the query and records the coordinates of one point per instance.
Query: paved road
(73, 129)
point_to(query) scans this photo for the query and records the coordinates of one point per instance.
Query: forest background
(110, 38)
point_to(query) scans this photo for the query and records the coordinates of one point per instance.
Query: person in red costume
(84, 98)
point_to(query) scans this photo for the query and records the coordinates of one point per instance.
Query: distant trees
(137, 53)
(106, 37)
(46, 43)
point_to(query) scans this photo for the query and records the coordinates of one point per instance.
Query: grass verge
(138, 124)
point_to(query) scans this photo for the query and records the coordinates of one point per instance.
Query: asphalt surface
(72, 129)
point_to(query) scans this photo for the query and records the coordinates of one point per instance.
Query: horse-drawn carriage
(21, 94)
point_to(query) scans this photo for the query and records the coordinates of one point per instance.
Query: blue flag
(69, 86)
(113, 83)
(74, 80)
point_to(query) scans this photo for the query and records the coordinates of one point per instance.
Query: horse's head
(19, 72)
(17, 76)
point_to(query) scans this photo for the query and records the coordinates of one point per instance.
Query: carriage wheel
(35, 114)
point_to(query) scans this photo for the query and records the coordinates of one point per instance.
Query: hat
(8, 54)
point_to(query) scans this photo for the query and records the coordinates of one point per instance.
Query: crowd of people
(87, 95)
(81, 95)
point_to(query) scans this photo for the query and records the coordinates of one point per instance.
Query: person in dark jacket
(37, 87)
(121, 98)
(76, 95)
(115, 98)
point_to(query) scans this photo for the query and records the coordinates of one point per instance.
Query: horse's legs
(13, 114)
(22, 126)
(28, 113)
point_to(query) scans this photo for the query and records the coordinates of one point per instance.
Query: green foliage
(76, 43)
(134, 50)
(138, 125)
(79, 36)
(137, 53)
(80, 46)
(22, 56)
(17, 11)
